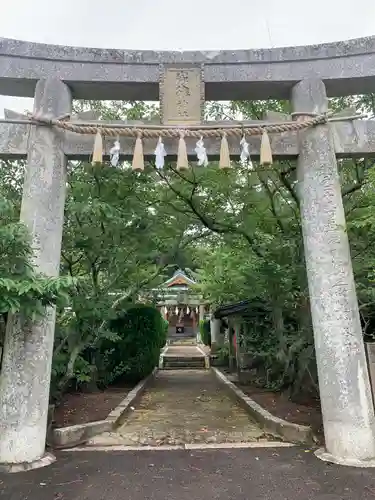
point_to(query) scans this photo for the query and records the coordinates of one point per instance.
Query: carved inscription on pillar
(181, 95)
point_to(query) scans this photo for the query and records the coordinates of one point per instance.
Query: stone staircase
(184, 363)
(183, 357)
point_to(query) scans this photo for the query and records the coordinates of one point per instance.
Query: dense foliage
(21, 289)
(238, 231)
(205, 332)
(141, 333)
(256, 250)
(118, 241)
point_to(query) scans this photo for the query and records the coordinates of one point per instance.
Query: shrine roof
(179, 278)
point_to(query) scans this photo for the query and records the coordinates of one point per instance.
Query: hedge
(141, 332)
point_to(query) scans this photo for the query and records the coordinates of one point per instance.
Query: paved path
(256, 474)
(184, 407)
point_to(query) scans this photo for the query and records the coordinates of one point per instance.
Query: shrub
(141, 333)
(205, 331)
(164, 335)
(223, 355)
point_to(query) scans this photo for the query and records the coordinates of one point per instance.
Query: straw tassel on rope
(224, 161)
(97, 155)
(138, 158)
(265, 149)
(182, 157)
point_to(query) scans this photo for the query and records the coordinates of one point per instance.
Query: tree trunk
(64, 381)
(278, 320)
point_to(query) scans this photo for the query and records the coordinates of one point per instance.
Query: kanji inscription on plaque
(181, 95)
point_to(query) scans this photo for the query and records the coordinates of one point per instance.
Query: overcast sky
(179, 25)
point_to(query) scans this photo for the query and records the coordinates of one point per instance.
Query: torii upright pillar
(26, 369)
(348, 413)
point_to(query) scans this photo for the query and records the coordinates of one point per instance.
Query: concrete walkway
(184, 407)
(256, 474)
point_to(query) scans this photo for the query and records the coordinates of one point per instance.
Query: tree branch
(219, 228)
(272, 201)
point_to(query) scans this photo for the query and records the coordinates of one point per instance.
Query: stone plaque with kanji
(181, 95)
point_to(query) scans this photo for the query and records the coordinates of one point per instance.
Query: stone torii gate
(182, 80)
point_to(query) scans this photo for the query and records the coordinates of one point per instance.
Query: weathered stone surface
(346, 67)
(216, 338)
(275, 116)
(181, 95)
(183, 356)
(183, 351)
(294, 433)
(348, 413)
(13, 140)
(370, 355)
(9, 114)
(27, 357)
(74, 435)
(118, 415)
(184, 407)
(44, 461)
(87, 115)
(352, 138)
(67, 437)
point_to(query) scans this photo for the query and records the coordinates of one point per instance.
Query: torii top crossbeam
(183, 81)
(346, 67)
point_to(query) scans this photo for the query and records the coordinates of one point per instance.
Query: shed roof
(243, 308)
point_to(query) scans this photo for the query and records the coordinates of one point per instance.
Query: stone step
(182, 341)
(191, 364)
(183, 367)
(183, 363)
(181, 336)
(186, 359)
